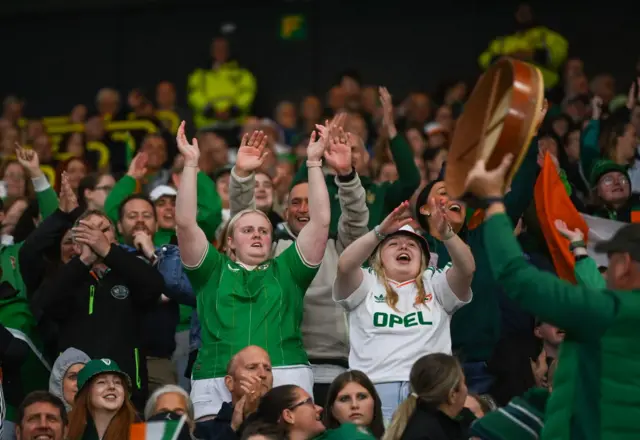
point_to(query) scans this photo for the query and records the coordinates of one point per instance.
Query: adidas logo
(379, 298)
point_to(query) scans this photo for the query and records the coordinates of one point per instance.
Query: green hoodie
(15, 313)
(596, 391)
(209, 218)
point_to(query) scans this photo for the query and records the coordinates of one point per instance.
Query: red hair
(119, 426)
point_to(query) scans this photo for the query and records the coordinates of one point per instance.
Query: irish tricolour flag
(161, 430)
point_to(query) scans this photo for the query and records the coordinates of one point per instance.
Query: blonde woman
(438, 393)
(251, 298)
(400, 309)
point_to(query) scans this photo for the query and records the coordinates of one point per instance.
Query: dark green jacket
(381, 198)
(596, 388)
(475, 328)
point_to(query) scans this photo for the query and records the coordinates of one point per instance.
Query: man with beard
(42, 415)
(137, 224)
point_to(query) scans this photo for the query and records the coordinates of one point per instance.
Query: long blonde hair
(392, 297)
(433, 377)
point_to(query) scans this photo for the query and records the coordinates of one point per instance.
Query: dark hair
(42, 397)
(26, 224)
(350, 73)
(136, 197)
(90, 181)
(341, 381)
(266, 430)
(271, 407)
(62, 166)
(430, 154)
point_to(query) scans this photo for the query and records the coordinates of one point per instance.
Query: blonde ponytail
(401, 418)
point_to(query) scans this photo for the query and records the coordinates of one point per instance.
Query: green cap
(602, 167)
(99, 366)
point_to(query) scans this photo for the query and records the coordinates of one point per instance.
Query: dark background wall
(56, 53)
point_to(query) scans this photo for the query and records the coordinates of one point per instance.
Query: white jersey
(385, 343)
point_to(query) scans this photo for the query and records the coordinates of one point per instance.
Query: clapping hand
(337, 154)
(399, 217)
(138, 166)
(251, 387)
(573, 236)
(252, 153)
(190, 151)
(440, 217)
(68, 199)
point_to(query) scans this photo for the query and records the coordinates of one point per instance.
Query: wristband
(379, 235)
(349, 177)
(314, 163)
(577, 244)
(488, 201)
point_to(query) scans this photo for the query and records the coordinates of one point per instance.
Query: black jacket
(218, 428)
(428, 424)
(102, 316)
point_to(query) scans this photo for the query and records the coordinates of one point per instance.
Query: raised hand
(440, 218)
(190, 151)
(138, 166)
(251, 153)
(484, 183)
(316, 147)
(68, 199)
(573, 236)
(388, 120)
(634, 94)
(337, 154)
(596, 107)
(29, 159)
(398, 218)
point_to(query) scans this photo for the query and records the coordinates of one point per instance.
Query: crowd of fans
(308, 276)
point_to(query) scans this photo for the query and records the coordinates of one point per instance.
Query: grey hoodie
(69, 357)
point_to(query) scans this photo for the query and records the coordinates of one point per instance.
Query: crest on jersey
(13, 262)
(264, 266)
(119, 291)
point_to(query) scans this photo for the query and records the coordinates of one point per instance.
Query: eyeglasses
(609, 180)
(308, 401)
(106, 188)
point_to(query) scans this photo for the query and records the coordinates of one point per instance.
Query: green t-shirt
(238, 307)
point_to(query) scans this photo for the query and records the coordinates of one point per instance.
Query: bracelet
(379, 235)
(314, 163)
(577, 244)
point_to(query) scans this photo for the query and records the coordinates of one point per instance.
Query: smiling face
(401, 257)
(250, 239)
(166, 212)
(107, 392)
(456, 211)
(297, 213)
(263, 192)
(354, 404)
(614, 187)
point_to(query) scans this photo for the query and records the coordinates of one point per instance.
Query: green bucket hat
(521, 419)
(602, 167)
(99, 366)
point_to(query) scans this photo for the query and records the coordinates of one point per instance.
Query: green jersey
(238, 307)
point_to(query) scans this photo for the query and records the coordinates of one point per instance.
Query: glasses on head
(308, 401)
(610, 180)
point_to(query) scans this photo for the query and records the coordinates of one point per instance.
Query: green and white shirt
(385, 343)
(238, 307)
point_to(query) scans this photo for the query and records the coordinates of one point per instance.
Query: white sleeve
(436, 280)
(356, 298)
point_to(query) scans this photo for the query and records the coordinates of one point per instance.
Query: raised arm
(463, 264)
(46, 196)
(583, 311)
(349, 275)
(125, 186)
(586, 269)
(251, 156)
(191, 239)
(312, 240)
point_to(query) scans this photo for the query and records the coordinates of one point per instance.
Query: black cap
(625, 241)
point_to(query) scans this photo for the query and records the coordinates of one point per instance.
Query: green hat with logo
(100, 366)
(602, 167)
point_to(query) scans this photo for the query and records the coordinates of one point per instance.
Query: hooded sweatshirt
(66, 360)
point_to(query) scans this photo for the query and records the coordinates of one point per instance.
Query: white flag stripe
(600, 229)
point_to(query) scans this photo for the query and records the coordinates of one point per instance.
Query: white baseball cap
(161, 191)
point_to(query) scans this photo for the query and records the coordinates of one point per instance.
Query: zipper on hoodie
(136, 354)
(92, 293)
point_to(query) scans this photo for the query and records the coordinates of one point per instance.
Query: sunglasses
(308, 401)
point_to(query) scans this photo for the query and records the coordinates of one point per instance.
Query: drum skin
(500, 117)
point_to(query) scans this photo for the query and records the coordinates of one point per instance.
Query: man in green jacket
(15, 313)
(596, 393)
(384, 197)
